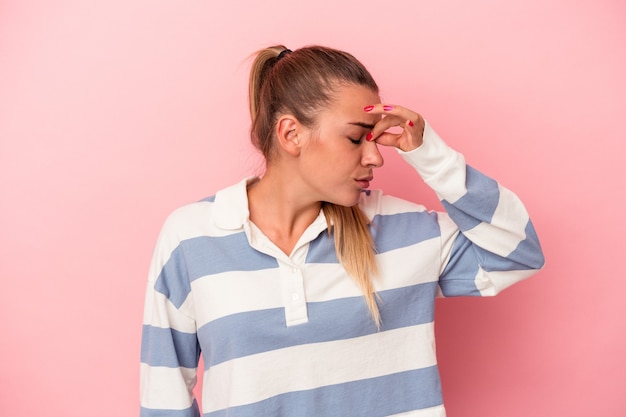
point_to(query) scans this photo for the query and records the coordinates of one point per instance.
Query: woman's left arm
(488, 239)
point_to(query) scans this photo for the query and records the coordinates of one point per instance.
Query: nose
(372, 156)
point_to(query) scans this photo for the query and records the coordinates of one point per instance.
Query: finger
(391, 110)
(408, 139)
(385, 124)
(413, 135)
(400, 139)
(387, 139)
(393, 115)
(413, 138)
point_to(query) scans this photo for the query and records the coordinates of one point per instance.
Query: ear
(288, 129)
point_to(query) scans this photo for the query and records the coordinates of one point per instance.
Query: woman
(307, 293)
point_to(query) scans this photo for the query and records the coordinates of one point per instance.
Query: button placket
(293, 295)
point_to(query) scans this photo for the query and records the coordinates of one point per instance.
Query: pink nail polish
(387, 108)
(369, 137)
(411, 124)
(368, 108)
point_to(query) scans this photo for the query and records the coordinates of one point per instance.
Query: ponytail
(261, 66)
(355, 249)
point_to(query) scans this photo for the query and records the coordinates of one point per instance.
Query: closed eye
(365, 127)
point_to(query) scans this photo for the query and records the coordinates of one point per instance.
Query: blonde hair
(301, 83)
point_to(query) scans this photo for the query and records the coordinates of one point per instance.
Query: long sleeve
(488, 240)
(169, 348)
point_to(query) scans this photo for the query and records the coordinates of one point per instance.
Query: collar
(231, 205)
(232, 213)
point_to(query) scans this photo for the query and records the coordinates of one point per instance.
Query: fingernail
(369, 137)
(411, 124)
(387, 108)
(368, 108)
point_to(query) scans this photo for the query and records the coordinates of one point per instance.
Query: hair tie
(282, 54)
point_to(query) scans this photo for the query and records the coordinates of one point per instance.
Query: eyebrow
(363, 125)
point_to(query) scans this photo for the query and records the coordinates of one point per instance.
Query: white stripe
(404, 268)
(329, 281)
(235, 292)
(166, 388)
(491, 283)
(507, 228)
(257, 377)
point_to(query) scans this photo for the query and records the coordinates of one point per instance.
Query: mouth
(364, 182)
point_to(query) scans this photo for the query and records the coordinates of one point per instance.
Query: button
(294, 270)
(295, 296)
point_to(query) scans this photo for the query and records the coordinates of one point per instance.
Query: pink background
(113, 114)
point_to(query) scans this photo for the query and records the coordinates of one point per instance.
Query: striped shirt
(291, 335)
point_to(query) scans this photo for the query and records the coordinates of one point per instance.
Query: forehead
(349, 103)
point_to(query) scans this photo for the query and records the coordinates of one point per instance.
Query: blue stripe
(478, 204)
(259, 331)
(400, 230)
(322, 250)
(458, 277)
(374, 397)
(192, 411)
(389, 232)
(528, 252)
(169, 347)
(527, 255)
(208, 255)
(173, 280)
(210, 199)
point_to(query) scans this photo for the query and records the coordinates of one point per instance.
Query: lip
(364, 182)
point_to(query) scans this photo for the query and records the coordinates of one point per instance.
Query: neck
(280, 208)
